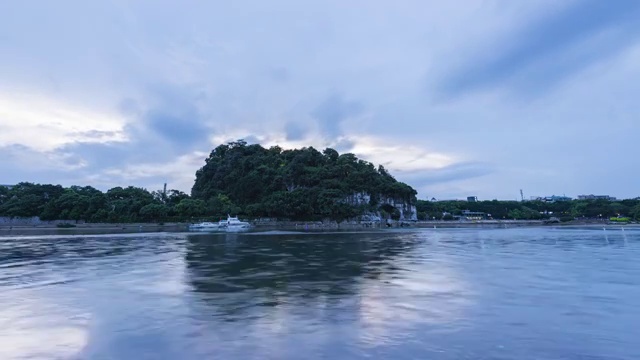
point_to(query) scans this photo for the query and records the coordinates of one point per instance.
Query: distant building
(553, 198)
(596, 197)
(471, 215)
(472, 198)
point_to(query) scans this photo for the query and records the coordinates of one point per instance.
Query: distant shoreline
(105, 228)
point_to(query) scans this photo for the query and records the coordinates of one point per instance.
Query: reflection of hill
(284, 268)
(68, 250)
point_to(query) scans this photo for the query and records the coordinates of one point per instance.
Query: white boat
(231, 224)
(204, 226)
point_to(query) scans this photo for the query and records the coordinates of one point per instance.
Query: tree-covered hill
(296, 184)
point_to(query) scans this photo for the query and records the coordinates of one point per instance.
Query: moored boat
(230, 224)
(206, 225)
(234, 224)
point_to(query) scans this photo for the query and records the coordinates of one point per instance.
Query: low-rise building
(596, 197)
(471, 215)
(553, 198)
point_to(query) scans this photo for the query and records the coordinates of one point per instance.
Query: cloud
(397, 157)
(295, 131)
(333, 111)
(455, 172)
(45, 123)
(280, 74)
(12, 155)
(91, 90)
(177, 115)
(550, 48)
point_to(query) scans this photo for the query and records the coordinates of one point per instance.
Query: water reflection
(443, 294)
(279, 269)
(382, 287)
(37, 328)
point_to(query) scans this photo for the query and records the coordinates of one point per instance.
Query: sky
(456, 98)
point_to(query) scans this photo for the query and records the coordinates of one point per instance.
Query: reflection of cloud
(391, 308)
(36, 329)
(166, 277)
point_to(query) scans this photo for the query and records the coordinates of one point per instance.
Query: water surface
(536, 293)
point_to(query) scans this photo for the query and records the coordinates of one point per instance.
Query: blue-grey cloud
(43, 166)
(333, 111)
(545, 51)
(295, 131)
(176, 76)
(280, 74)
(174, 116)
(251, 139)
(455, 172)
(177, 129)
(343, 145)
(115, 154)
(168, 125)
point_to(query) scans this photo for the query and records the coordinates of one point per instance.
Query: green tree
(4, 194)
(154, 212)
(125, 203)
(188, 208)
(28, 199)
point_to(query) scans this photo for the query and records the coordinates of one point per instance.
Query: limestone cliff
(406, 208)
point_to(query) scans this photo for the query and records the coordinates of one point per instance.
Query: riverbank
(108, 228)
(90, 229)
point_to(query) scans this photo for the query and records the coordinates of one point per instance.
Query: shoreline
(107, 228)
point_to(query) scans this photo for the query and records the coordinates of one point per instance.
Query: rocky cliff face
(407, 210)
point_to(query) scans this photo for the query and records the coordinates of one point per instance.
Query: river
(529, 293)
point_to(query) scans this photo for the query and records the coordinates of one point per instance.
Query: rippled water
(426, 294)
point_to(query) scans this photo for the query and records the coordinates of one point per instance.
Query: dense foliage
(533, 210)
(296, 184)
(131, 204)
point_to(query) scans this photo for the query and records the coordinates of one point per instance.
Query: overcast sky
(455, 98)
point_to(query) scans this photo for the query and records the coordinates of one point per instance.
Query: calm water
(427, 294)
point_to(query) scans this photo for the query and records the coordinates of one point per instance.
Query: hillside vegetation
(295, 184)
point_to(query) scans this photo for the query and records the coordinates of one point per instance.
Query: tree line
(117, 205)
(237, 179)
(298, 184)
(532, 210)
